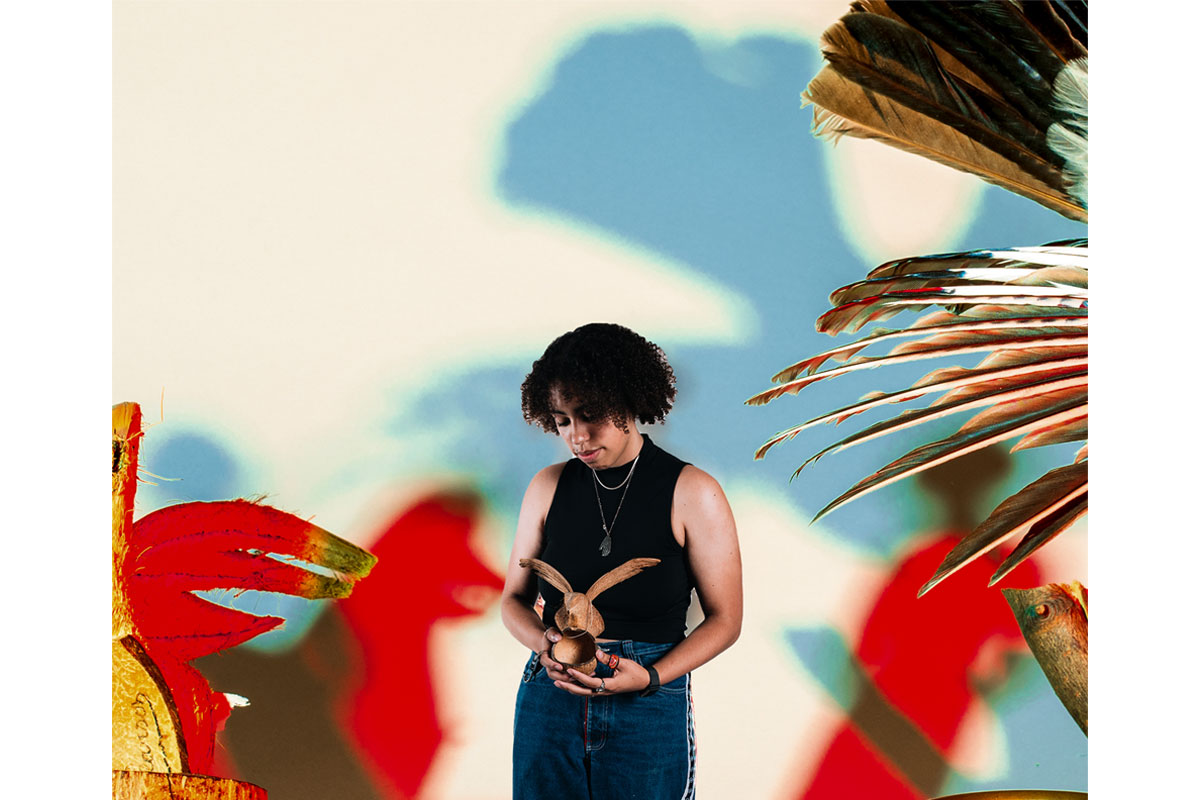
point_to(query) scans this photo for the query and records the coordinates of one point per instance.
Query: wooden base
(1017, 794)
(128, 785)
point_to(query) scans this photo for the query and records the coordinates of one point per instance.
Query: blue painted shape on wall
(638, 136)
(195, 466)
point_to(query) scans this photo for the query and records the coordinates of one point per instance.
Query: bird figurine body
(578, 619)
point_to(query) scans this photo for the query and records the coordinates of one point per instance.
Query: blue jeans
(615, 747)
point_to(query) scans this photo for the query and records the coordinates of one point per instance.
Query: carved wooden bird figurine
(577, 618)
(1054, 621)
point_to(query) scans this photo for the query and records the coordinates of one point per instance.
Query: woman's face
(599, 444)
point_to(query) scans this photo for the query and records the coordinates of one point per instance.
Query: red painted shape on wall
(427, 572)
(925, 656)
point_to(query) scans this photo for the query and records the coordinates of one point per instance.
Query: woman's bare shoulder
(699, 501)
(542, 486)
(694, 483)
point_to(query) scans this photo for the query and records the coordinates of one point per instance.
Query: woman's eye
(562, 423)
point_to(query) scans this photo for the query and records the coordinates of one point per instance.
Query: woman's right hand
(554, 670)
(549, 637)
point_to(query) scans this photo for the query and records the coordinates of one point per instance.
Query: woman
(624, 731)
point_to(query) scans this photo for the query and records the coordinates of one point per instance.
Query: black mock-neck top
(651, 606)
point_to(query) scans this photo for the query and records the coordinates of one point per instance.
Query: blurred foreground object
(998, 89)
(164, 713)
(1054, 621)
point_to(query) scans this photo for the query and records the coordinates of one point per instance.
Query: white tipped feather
(1069, 138)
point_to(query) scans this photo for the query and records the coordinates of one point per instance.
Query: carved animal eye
(1042, 610)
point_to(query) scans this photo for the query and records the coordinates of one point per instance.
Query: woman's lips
(589, 455)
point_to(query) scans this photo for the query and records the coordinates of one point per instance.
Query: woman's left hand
(628, 676)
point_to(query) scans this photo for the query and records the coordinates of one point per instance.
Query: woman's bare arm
(520, 584)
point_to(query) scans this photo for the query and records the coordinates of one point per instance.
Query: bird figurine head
(578, 620)
(1054, 621)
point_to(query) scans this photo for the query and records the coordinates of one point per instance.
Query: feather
(1042, 532)
(1055, 490)
(997, 45)
(812, 364)
(1069, 138)
(911, 418)
(885, 80)
(1071, 432)
(851, 317)
(999, 413)
(952, 447)
(1024, 354)
(1063, 26)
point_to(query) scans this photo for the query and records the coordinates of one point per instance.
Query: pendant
(606, 545)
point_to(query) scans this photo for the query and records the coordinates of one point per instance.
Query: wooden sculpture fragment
(578, 619)
(1054, 621)
(165, 715)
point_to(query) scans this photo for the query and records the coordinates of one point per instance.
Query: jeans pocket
(677, 686)
(532, 667)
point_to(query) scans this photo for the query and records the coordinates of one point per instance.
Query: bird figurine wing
(974, 86)
(549, 573)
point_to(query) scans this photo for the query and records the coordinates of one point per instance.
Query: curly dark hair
(612, 371)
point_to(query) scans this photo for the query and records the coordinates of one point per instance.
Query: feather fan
(998, 89)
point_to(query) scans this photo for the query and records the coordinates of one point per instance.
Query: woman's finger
(586, 680)
(574, 688)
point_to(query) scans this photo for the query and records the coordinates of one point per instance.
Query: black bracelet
(653, 687)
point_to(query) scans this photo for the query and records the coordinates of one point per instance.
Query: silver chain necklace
(622, 483)
(606, 545)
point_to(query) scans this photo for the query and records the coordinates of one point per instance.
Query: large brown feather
(889, 81)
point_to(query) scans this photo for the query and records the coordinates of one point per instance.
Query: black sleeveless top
(651, 606)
